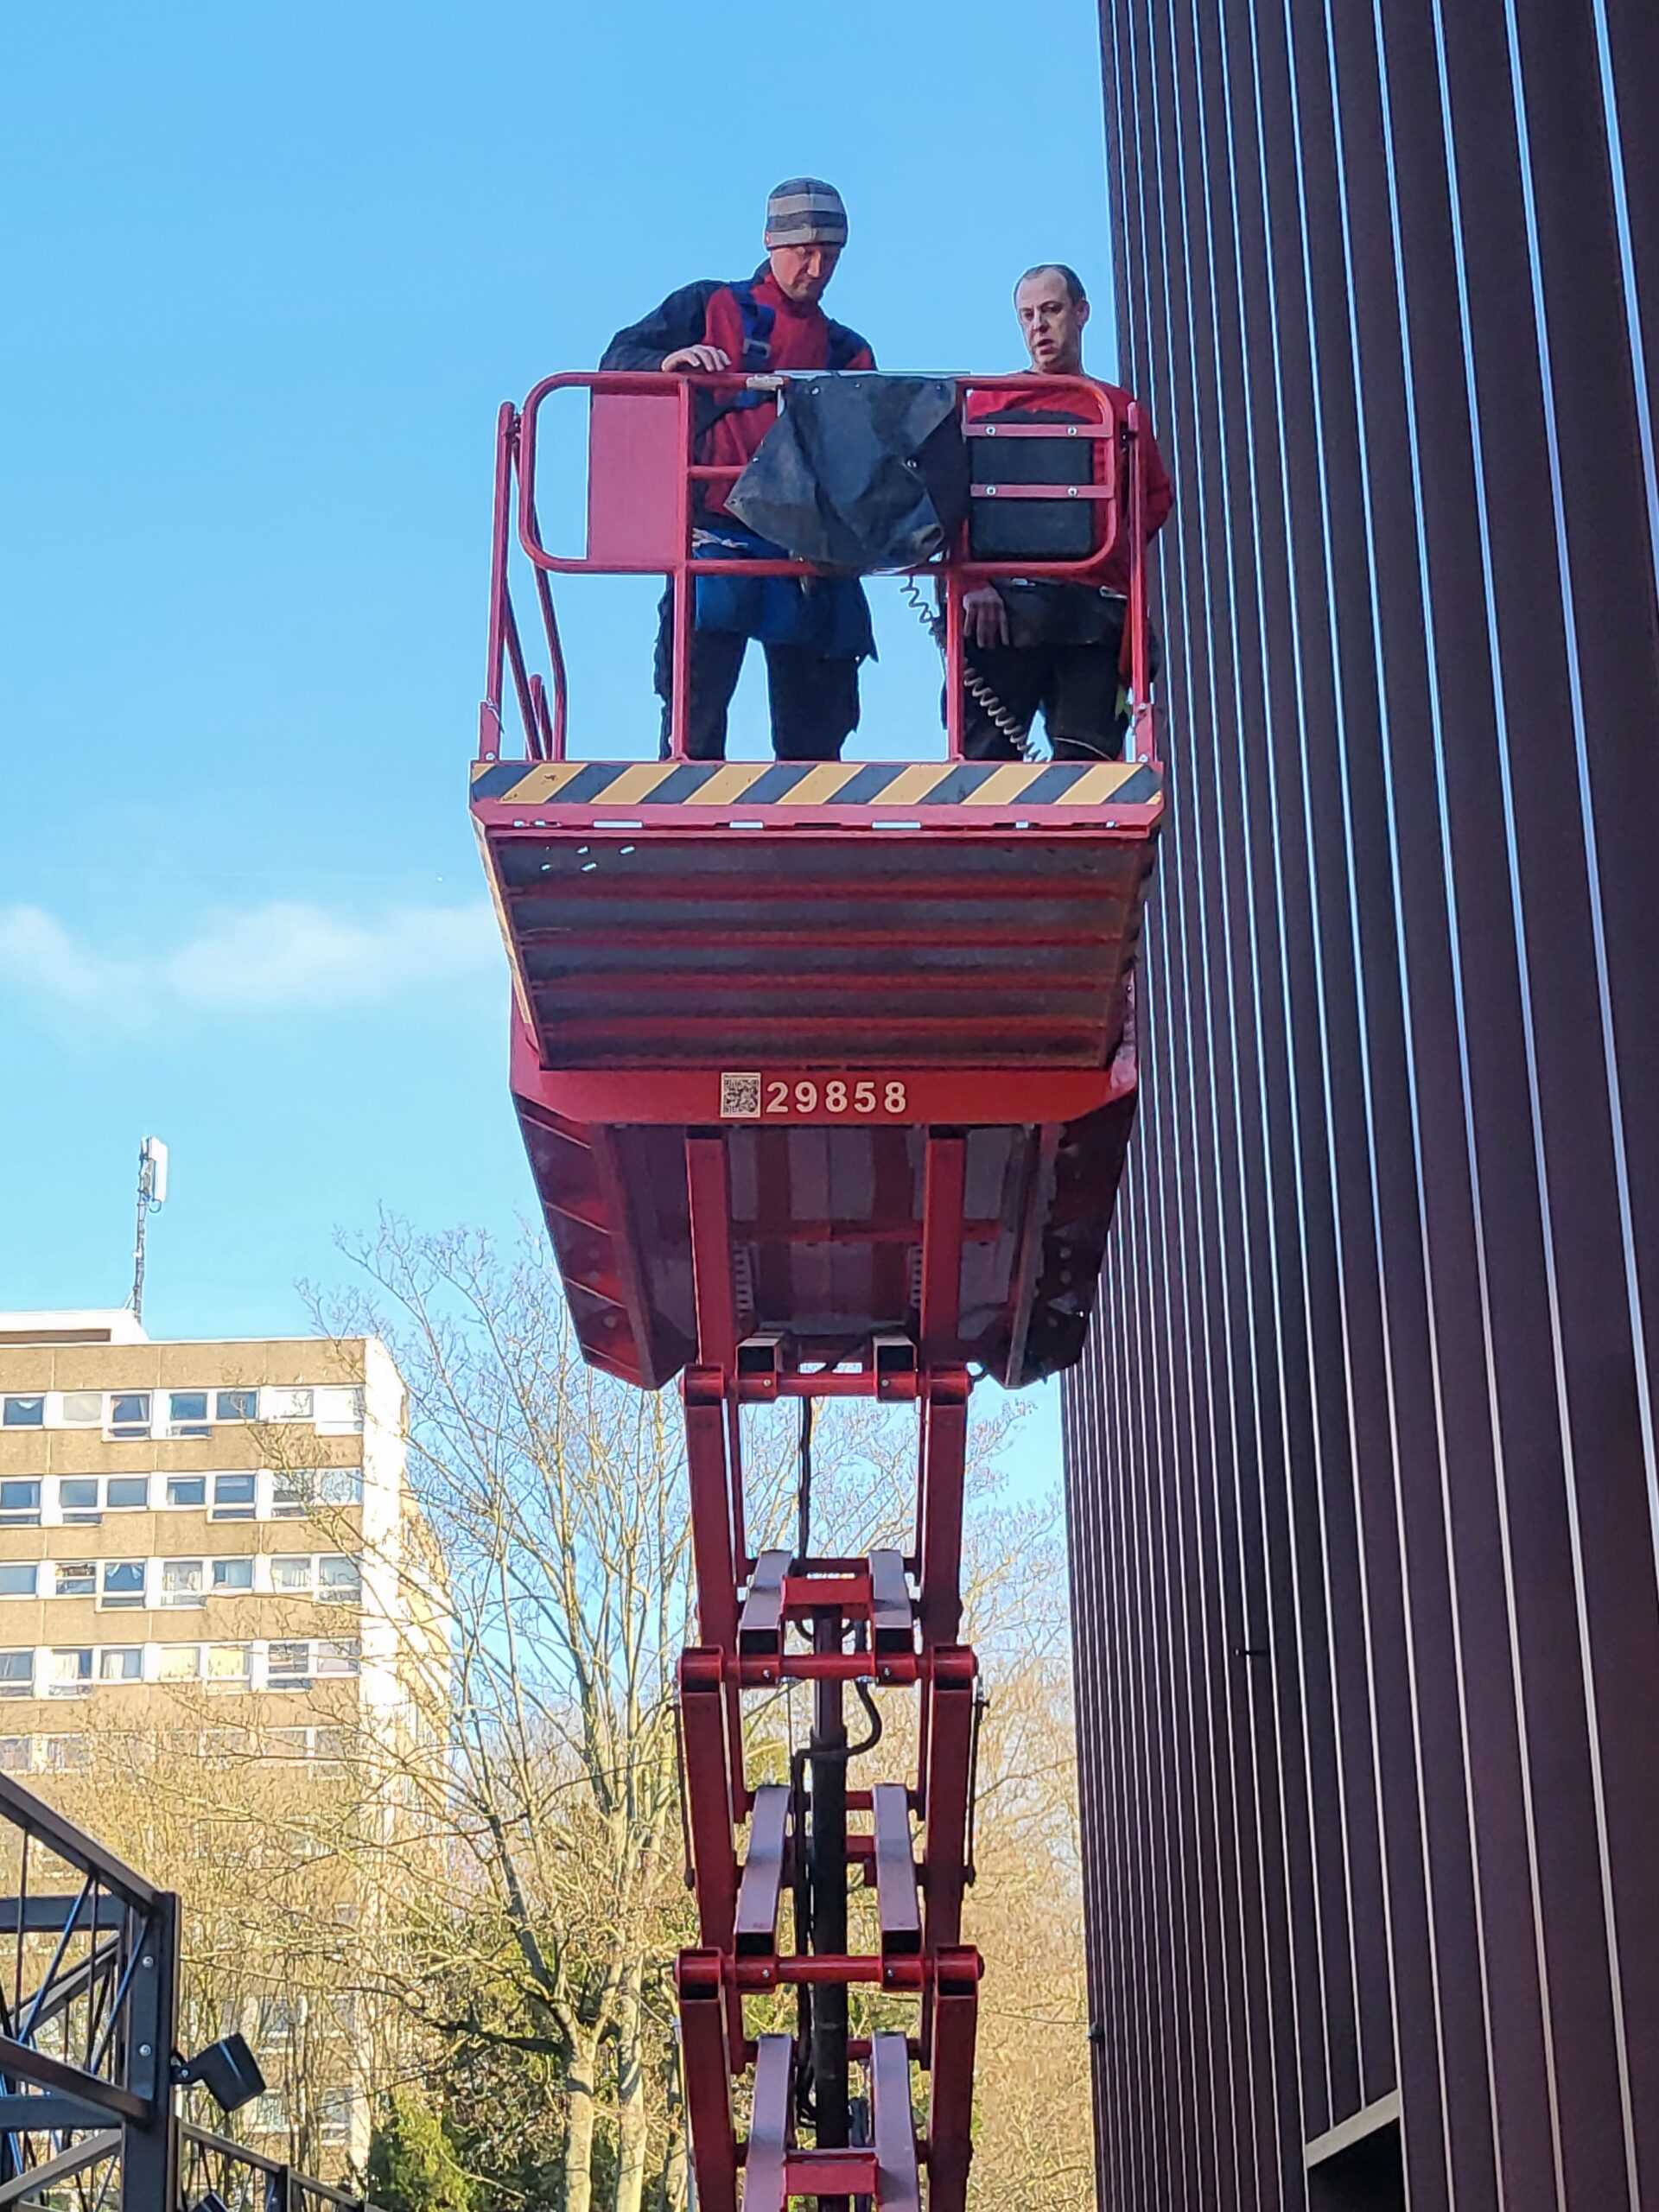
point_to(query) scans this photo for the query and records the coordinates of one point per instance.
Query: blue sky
(269, 270)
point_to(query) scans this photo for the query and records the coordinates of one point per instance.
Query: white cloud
(259, 960)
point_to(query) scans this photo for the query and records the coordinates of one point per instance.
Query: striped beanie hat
(805, 210)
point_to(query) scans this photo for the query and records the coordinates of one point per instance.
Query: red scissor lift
(825, 1073)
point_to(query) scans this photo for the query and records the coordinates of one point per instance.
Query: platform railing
(643, 480)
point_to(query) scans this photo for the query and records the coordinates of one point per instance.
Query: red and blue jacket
(760, 330)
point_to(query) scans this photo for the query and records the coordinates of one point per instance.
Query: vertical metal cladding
(1362, 1466)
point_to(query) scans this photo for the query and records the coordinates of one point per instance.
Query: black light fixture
(228, 2071)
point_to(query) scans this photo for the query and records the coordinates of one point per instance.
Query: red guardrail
(643, 471)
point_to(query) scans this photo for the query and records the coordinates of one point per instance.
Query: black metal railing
(220, 2175)
(89, 1977)
(89, 2000)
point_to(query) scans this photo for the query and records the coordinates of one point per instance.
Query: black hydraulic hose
(981, 1705)
(869, 1743)
(800, 1882)
(818, 1873)
(871, 1712)
(827, 1753)
(803, 1496)
(801, 1902)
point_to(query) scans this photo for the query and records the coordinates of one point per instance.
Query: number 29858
(758, 1097)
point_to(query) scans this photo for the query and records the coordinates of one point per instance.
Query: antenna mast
(152, 1196)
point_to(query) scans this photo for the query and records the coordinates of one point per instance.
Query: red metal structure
(825, 1072)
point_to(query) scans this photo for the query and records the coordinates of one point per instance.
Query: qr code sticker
(740, 1098)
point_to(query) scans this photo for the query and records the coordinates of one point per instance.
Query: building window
(78, 1501)
(17, 1578)
(69, 1674)
(121, 1662)
(122, 1584)
(329, 1744)
(129, 1412)
(180, 1582)
(16, 1674)
(268, 2114)
(69, 1754)
(335, 1658)
(290, 1497)
(340, 1581)
(286, 1403)
(20, 1505)
(334, 2115)
(15, 1755)
(187, 1412)
(340, 1486)
(74, 1578)
(79, 1497)
(291, 1574)
(22, 1412)
(82, 1410)
(288, 1666)
(236, 1405)
(180, 1663)
(228, 1662)
(232, 1575)
(187, 1490)
(339, 1411)
(233, 1497)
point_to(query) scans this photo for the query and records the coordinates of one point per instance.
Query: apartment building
(208, 1544)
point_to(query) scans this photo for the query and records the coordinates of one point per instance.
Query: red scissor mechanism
(885, 1622)
(825, 1073)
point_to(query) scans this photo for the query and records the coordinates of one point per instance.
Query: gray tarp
(859, 473)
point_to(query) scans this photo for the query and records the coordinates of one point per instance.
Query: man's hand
(985, 616)
(705, 360)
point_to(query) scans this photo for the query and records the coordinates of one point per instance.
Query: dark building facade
(1362, 1465)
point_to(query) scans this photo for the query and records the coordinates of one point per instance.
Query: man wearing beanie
(815, 637)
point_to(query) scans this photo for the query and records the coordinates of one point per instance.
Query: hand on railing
(705, 360)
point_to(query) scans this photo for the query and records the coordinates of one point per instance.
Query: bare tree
(558, 1501)
(1033, 2144)
(279, 1939)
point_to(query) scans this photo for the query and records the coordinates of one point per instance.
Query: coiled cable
(1017, 733)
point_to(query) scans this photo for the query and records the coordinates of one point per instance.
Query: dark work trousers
(814, 699)
(1075, 688)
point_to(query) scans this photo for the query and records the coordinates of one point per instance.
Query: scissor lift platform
(824, 976)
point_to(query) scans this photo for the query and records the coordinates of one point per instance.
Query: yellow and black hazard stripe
(726, 785)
